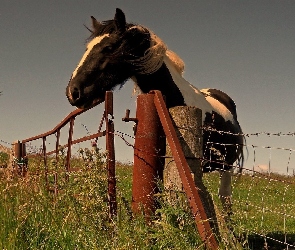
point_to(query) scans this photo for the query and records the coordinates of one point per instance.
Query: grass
(33, 218)
(4, 157)
(263, 208)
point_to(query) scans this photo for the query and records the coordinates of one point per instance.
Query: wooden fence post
(187, 122)
(192, 193)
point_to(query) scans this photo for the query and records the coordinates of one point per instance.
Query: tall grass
(31, 217)
(263, 209)
(4, 158)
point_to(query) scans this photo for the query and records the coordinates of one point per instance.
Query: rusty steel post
(17, 155)
(45, 162)
(20, 156)
(56, 162)
(17, 150)
(111, 154)
(147, 165)
(69, 153)
(25, 160)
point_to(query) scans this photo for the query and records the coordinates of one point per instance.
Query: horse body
(119, 51)
(218, 112)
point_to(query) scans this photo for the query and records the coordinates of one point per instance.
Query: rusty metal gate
(21, 157)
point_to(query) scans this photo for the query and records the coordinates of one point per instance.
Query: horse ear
(120, 20)
(95, 24)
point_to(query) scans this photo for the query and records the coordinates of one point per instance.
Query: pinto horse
(118, 51)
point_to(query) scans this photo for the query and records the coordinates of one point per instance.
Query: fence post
(20, 158)
(69, 152)
(187, 122)
(192, 193)
(147, 164)
(56, 162)
(111, 154)
(45, 162)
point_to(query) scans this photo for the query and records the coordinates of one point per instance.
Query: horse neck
(161, 80)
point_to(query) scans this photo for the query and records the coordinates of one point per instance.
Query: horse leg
(225, 191)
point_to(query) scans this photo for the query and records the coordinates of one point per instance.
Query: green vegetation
(4, 157)
(33, 218)
(263, 208)
(77, 218)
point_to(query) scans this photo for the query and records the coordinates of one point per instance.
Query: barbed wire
(266, 209)
(267, 237)
(5, 142)
(123, 136)
(206, 128)
(248, 170)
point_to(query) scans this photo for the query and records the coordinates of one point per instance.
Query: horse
(118, 51)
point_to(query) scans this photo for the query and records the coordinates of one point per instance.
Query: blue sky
(244, 48)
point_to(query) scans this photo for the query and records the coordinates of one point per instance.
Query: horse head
(110, 58)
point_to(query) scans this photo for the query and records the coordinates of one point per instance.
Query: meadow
(31, 217)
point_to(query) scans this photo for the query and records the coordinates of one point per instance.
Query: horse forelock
(106, 27)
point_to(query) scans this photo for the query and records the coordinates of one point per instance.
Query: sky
(244, 48)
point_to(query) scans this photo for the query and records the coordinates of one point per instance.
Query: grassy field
(33, 218)
(263, 209)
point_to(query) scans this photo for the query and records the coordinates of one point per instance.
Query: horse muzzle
(81, 98)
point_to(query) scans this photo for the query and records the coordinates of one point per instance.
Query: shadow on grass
(272, 241)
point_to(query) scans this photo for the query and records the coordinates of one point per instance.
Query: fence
(245, 207)
(21, 158)
(263, 204)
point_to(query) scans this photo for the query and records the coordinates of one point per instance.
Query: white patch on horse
(191, 98)
(90, 46)
(220, 109)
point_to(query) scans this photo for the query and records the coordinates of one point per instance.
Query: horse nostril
(75, 94)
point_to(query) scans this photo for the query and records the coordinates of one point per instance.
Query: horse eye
(108, 49)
